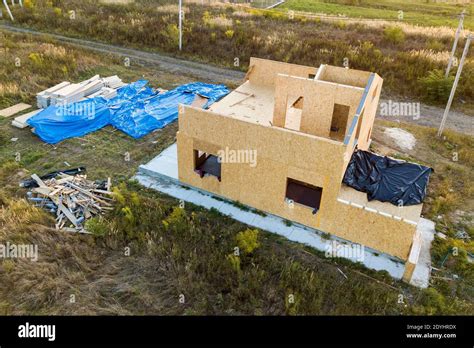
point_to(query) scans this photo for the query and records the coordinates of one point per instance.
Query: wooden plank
(12, 110)
(38, 181)
(20, 121)
(68, 214)
(46, 191)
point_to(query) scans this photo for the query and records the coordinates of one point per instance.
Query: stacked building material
(75, 92)
(43, 99)
(73, 198)
(106, 92)
(20, 121)
(67, 93)
(113, 82)
(15, 109)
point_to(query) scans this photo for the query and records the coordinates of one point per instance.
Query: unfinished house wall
(264, 72)
(283, 154)
(317, 113)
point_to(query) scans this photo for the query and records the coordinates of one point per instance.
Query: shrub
(97, 226)
(171, 34)
(433, 301)
(394, 35)
(28, 4)
(177, 216)
(234, 261)
(247, 240)
(436, 87)
(229, 33)
(37, 59)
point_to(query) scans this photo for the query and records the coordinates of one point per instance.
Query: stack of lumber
(75, 92)
(67, 93)
(43, 99)
(106, 92)
(73, 199)
(114, 82)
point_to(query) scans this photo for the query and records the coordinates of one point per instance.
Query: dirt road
(429, 115)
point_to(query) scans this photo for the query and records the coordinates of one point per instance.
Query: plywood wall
(318, 102)
(283, 154)
(264, 71)
(350, 77)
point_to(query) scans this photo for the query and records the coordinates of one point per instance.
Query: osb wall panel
(265, 71)
(351, 77)
(372, 230)
(282, 154)
(317, 103)
(370, 110)
(368, 118)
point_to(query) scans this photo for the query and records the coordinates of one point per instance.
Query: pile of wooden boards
(73, 199)
(66, 92)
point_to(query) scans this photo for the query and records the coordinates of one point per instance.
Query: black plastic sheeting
(387, 180)
(30, 183)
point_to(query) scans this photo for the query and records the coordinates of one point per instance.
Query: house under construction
(303, 124)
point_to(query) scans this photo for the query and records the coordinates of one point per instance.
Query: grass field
(187, 252)
(419, 12)
(403, 55)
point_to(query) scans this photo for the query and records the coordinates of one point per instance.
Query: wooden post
(455, 84)
(456, 38)
(180, 24)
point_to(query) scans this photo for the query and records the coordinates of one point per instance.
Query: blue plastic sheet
(56, 123)
(136, 110)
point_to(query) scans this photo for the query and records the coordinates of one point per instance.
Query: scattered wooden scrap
(12, 110)
(73, 199)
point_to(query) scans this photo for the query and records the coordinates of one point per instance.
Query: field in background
(410, 59)
(419, 12)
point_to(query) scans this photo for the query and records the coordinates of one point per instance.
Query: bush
(394, 35)
(171, 35)
(436, 87)
(28, 4)
(229, 34)
(247, 240)
(97, 226)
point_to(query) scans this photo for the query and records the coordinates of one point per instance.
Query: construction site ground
(150, 280)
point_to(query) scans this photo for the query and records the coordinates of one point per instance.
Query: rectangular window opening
(207, 164)
(304, 194)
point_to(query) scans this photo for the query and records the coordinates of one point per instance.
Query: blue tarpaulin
(136, 110)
